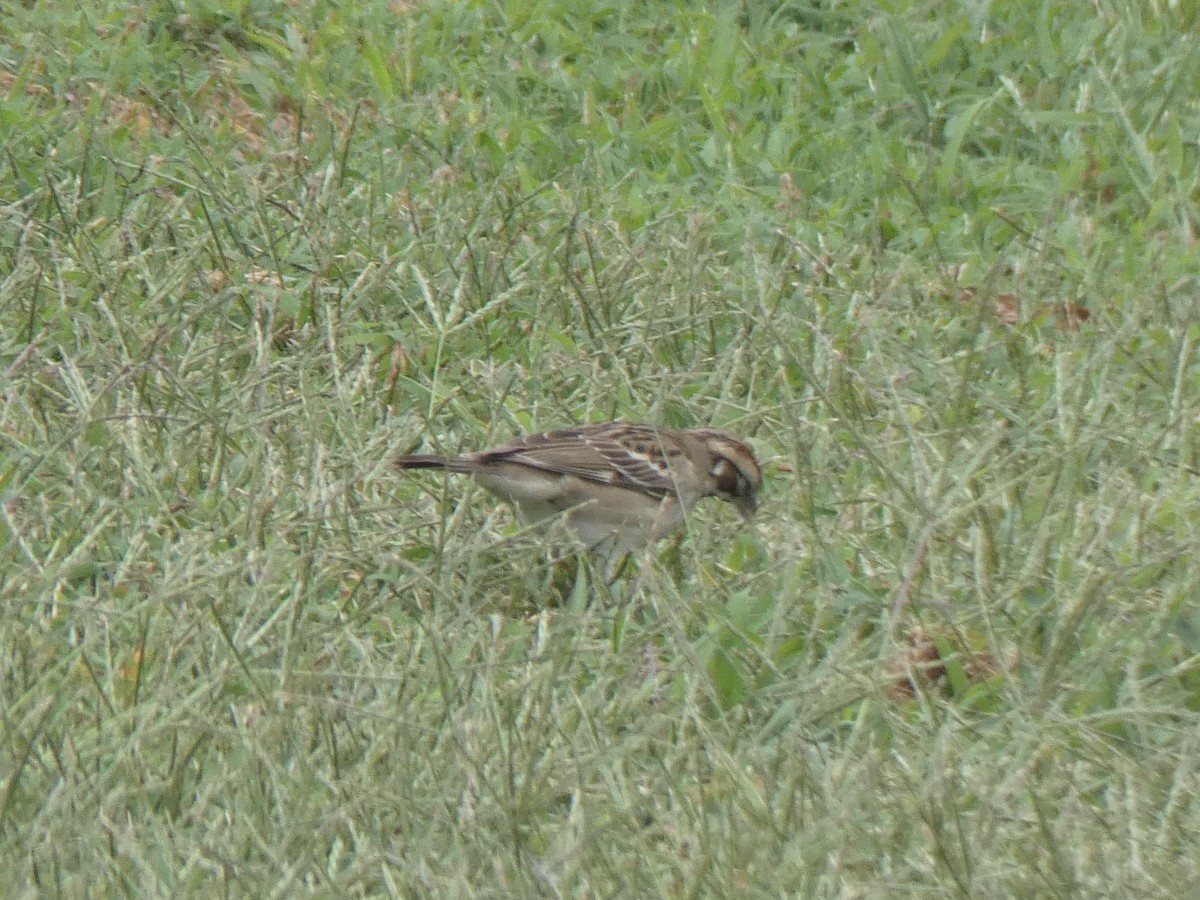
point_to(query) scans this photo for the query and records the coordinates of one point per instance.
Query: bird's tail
(432, 461)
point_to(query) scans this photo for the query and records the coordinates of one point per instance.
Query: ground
(936, 261)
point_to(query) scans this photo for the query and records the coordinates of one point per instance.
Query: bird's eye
(727, 478)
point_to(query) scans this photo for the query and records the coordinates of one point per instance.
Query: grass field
(939, 263)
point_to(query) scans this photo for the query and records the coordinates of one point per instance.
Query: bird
(617, 486)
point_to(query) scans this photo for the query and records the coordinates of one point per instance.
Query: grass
(937, 261)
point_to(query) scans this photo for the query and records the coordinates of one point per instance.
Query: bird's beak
(747, 506)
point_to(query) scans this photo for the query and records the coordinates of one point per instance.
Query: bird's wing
(635, 457)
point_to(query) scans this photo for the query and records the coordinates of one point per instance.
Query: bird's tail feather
(432, 461)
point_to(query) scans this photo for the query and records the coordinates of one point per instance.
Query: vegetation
(938, 261)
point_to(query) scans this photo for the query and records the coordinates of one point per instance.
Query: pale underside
(611, 521)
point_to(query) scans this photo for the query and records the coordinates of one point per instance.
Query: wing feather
(626, 456)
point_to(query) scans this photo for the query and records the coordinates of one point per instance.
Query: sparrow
(617, 486)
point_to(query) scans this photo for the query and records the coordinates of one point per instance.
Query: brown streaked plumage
(617, 485)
